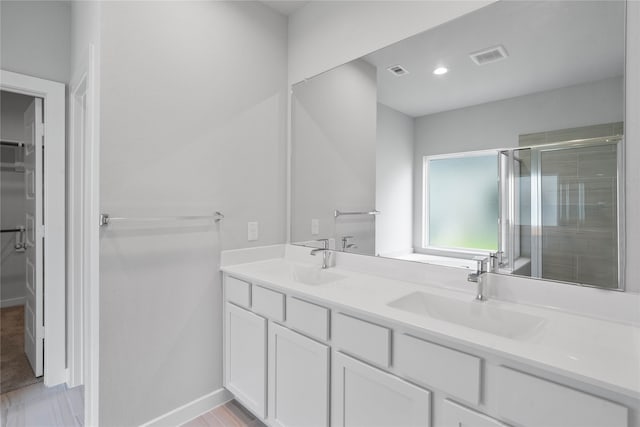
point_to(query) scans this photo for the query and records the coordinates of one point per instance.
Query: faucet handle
(345, 242)
(496, 261)
(481, 264)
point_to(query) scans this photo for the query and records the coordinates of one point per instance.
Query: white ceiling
(551, 44)
(285, 7)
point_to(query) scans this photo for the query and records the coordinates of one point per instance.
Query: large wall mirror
(499, 133)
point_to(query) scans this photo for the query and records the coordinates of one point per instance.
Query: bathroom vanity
(394, 158)
(306, 346)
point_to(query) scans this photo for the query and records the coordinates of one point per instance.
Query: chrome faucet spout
(479, 276)
(326, 253)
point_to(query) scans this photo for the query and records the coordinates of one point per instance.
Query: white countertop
(598, 352)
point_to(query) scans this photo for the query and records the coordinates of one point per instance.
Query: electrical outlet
(315, 227)
(252, 231)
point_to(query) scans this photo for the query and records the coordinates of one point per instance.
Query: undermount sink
(312, 275)
(472, 314)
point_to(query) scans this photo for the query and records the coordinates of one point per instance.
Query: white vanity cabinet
(245, 367)
(364, 396)
(298, 379)
(295, 362)
(268, 362)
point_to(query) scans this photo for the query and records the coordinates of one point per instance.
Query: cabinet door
(298, 379)
(458, 416)
(363, 396)
(245, 360)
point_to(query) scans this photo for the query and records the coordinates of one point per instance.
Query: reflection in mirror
(560, 220)
(499, 133)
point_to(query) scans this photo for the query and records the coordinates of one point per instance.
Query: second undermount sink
(313, 275)
(472, 314)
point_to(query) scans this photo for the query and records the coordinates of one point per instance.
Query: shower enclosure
(559, 217)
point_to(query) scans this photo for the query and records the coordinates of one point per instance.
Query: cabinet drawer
(459, 416)
(308, 318)
(362, 339)
(532, 401)
(237, 291)
(268, 303)
(433, 365)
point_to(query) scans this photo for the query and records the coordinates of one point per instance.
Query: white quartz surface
(598, 352)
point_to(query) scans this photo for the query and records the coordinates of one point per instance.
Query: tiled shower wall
(579, 215)
(579, 207)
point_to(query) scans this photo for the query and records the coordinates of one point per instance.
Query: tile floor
(37, 405)
(230, 414)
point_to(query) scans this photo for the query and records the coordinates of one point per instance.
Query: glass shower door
(579, 216)
(559, 212)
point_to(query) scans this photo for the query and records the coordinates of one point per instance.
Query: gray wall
(333, 154)
(193, 111)
(498, 124)
(12, 202)
(35, 38)
(394, 182)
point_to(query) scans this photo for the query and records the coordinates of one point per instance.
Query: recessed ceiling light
(440, 71)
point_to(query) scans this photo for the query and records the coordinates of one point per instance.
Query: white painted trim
(11, 302)
(91, 269)
(191, 410)
(78, 137)
(53, 95)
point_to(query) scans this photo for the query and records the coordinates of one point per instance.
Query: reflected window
(461, 202)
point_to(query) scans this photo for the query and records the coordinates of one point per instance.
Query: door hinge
(41, 331)
(41, 230)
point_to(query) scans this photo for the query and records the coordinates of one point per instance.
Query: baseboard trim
(191, 410)
(11, 302)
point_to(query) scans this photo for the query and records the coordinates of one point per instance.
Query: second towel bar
(106, 219)
(338, 213)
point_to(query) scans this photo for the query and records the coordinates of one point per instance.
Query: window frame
(446, 251)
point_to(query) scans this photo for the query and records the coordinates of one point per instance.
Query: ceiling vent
(398, 70)
(487, 56)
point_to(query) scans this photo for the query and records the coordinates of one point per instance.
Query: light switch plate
(252, 231)
(315, 227)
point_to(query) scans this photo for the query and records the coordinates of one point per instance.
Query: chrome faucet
(479, 276)
(326, 252)
(496, 261)
(346, 245)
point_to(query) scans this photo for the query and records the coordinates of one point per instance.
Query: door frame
(84, 235)
(53, 95)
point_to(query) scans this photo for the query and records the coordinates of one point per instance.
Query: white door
(363, 396)
(34, 310)
(246, 358)
(298, 379)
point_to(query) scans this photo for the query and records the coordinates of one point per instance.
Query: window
(461, 202)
